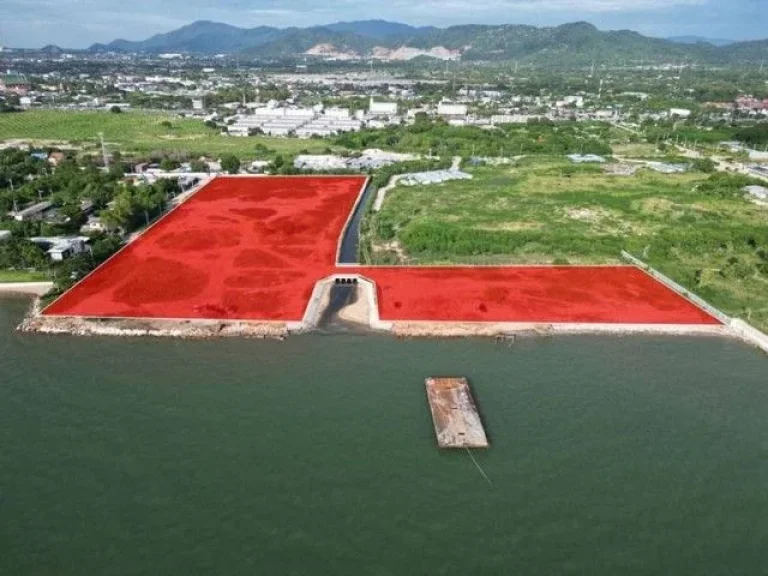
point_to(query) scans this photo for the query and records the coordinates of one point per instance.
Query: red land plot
(240, 248)
(550, 294)
(253, 249)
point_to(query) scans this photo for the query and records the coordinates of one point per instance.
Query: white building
(33, 213)
(679, 113)
(93, 226)
(586, 158)
(453, 110)
(337, 113)
(757, 192)
(382, 108)
(577, 101)
(433, 177)
(60, 248)
(239, 130)
(5, 235)
(510, 118)
(319, 162)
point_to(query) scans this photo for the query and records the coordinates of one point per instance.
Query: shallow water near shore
(316, 455)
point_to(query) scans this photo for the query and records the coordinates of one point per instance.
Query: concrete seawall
(26, 288)
(749, 334)
(735, 326)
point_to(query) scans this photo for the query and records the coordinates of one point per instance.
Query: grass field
(544, 210)
(7, 276)
(140, 132)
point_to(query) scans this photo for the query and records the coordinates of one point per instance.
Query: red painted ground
(253, 248)
(616, 294)
(248, 248)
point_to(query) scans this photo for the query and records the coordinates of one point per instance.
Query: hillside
(701, 40)
(575, 43)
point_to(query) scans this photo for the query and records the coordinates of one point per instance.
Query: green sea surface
(316, 455)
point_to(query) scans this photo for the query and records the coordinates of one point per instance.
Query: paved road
(720, 163)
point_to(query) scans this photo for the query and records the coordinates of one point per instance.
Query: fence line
(724, 318)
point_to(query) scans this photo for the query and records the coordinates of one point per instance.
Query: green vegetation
(438, 138)
(136, 206)
(379, 180)
(756, 135)
(697, 228)
(230, 164)
(8, 276)
(141, 133)
(65, 274)
(75, 189)
(18, 254)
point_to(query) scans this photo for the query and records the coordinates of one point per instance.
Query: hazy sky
(79, 23)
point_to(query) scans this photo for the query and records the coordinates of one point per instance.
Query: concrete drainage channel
(343, 295)
(342, 302)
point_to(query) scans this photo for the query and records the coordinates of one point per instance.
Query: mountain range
(569, 43)
(701, 40)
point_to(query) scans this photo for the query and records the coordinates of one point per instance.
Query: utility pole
(13, 193)
(104, 156)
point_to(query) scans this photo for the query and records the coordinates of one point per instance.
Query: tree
(121, 212)
(32, 256)
(104, 246)
(168, 165)
(230, 164)
(116, 110)
(76, 217)
(117, 170)
(705, 165)
(15, 253)
(198, 166)
(149, 199)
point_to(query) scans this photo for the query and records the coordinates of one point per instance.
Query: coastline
(36, 289)
(130, 327)
(511, 330)
(203, 329)
(359, 313)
